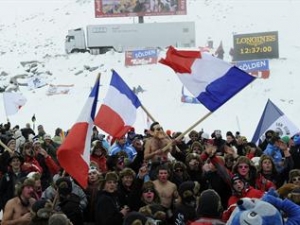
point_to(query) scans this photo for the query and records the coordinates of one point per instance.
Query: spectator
(274, 149)
(95, 180)
(50, 168)
(11, 178)
(50, 146)
(295, 150)
(179, 174)
(59, 219)
(154, 148)
(108, 210)
(166, 189)
(30, 162)
(17, 209)
(268, 135)
(68, 202)
(122, 147)
(41, 211)
(144, 193)
(194, 136)
(267, 176)
(246, 169)
(98, 155)
(240, 189)
(218, 141)
(26, 131)
(125, 187)
(209, 211)
(58, 136)
(37, 191)
(185, 212)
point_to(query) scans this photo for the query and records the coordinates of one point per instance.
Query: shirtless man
(153, 147)
(166, 189)
(17, 209)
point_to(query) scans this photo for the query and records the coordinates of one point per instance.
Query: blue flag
(273, 119)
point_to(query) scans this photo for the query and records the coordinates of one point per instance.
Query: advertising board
(128, 8)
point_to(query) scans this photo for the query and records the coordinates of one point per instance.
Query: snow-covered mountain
(32, 42)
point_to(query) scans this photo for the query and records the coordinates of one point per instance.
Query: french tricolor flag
(211, 80)
(74, 153)
(118, 112)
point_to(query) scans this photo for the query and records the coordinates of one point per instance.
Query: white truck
(99, 39)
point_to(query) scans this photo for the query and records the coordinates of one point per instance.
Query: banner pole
(188, 130)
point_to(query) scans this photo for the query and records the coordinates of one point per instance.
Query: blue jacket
(275, 153)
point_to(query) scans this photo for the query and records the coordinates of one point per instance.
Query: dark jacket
(108, 209)
(71, 207)
(183, 214)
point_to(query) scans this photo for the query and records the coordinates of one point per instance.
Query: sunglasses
(148, 190)
(158, 128)
(296, 179)
(243, 167)
(178, 170)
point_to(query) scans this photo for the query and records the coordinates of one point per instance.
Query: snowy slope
(35, 30)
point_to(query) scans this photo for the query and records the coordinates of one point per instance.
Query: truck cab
(75, 41)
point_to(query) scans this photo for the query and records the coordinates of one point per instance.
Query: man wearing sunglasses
(154, 148)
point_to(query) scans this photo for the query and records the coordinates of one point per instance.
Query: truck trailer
(98, 39)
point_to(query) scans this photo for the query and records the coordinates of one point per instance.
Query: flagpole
(5, 147)
(148, 114)
(187, 131)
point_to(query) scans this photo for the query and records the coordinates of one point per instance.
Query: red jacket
(263, 184)
(208, 221)
(31, 165)
(101, 162)
(249, 192)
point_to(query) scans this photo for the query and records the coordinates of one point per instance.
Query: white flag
(13, 102)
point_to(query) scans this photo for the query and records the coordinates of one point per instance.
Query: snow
(34, 30)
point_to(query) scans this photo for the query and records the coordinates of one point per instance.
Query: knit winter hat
(155, 211)
(23, 183)
(42, 209)
(236, 177)
(178, 165)
(127, 172)
(148, 185)
(187, 191)
(111, 176)
(64, 186)
(285, 139)
(47, 137)
(209, 204)
(10, 141)
(135, 218)
(191, 156)
(293, 173)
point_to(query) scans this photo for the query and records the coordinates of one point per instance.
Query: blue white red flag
(118, 112)
(273, 119)
(211, 80)
(74, 153)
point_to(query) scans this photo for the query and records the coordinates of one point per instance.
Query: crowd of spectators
(158, 177)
